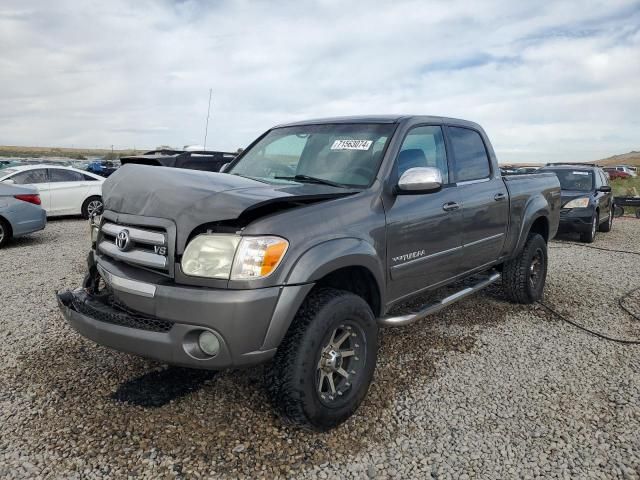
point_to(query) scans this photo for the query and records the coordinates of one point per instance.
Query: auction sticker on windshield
(351, 145)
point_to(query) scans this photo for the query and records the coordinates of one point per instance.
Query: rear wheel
(5, 232)
(523, 278)
(323, 368)
(92, 206)
(589, 237)
(606, 227)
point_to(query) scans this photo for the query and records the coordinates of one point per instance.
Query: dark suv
(587, 201)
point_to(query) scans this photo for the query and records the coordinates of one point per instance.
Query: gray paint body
(332, 229)
(23, 217)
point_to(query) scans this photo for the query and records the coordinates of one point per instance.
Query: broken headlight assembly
(582, 202)
(94, 227)
(233, 257)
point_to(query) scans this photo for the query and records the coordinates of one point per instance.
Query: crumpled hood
(191, 198)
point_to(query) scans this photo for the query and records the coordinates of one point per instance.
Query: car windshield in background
(5, 172)
(345, 155)
(578, 180)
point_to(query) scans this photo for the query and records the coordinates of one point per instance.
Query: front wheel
(523, 278)
(590, 236)
(323, 368)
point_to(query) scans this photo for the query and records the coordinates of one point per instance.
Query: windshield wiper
(308, 179)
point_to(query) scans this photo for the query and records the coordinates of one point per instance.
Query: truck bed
(526, 192)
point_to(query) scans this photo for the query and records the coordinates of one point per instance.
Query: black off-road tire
(518, 280)
(87, 206)
(293, 378)
(590, 236)
(5, 232)
(608, 225)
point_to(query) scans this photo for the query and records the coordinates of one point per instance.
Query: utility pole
(206, 128)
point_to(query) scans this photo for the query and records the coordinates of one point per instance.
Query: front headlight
(233, 257)
(578, 203)
(210, 256)
(94, 227)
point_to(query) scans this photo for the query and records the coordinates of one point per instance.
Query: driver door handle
(450, 206)
(499, 196)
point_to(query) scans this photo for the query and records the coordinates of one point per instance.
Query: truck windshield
(343, 155)
(577, 180)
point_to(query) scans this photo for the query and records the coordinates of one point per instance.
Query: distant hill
(631, 158)
(31, 152)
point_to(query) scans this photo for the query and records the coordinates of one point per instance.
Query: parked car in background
(587, 200)
(63, 190)
(614, 173)
(205, 160)
(104, 168)
(302, 249)
(525, 170)
(627, 169)
(20, 211)
(9, 163)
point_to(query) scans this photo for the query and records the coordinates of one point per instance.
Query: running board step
(402, 320)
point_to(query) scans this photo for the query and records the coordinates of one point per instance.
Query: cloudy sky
(548, 80)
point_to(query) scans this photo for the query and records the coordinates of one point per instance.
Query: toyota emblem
(122, 240)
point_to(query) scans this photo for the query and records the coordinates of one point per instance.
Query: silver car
(20, 211)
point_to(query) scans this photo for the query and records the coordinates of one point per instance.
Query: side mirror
(9, 181)
(419, 180)
(223, 167)
(605, 189)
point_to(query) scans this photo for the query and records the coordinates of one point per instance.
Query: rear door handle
(450, 206)
(499, 196)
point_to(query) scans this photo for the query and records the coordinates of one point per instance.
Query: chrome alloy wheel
(535, 269)
(594, 226)
(94, 207)
(341, 360)
(2, 233)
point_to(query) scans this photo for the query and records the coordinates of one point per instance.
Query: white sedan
(63, 190)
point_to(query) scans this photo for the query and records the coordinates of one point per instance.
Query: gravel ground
(485, 389)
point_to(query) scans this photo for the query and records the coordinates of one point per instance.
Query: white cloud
(553, 81)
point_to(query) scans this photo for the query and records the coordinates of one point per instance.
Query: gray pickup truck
(305, 246)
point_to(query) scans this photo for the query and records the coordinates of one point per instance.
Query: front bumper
(575, 220)
(164, 324)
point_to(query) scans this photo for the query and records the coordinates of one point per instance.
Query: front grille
(146, 247)
(116, 313)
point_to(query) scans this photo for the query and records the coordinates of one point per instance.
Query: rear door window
(39, 175)
(471, 158)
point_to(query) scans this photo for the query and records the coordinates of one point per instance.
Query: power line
(206, 128)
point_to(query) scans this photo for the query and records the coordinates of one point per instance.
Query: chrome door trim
(486, 239)
(471, 182)
(400, 266)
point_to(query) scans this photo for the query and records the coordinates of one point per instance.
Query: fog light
(209, 343)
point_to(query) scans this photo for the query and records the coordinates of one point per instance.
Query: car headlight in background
(577, 203)
(233, 257)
